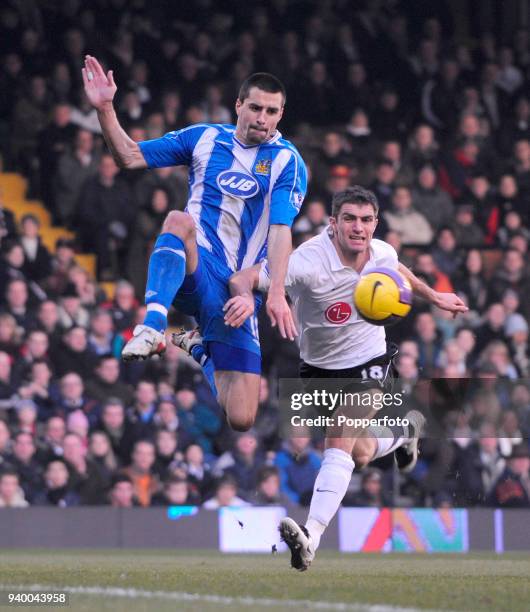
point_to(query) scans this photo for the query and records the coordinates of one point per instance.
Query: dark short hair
(266, 472)
(120, 477)
(9, 471)
(353, 195)
(264, 81)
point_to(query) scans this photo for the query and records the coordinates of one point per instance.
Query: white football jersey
(332, 334)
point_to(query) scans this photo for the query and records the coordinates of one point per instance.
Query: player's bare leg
(238, 394)
(174, 255)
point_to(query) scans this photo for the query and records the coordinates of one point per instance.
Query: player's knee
(179, 223)
(240, 422)
(361, 458)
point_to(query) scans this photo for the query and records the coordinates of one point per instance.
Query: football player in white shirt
(335, 342)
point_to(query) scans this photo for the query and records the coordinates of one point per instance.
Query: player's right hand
(238, 309)
(99, 87)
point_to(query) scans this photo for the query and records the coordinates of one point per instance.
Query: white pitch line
(215, 599)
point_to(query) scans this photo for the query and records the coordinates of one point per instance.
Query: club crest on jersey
(237, 184)
(338, 313)
(263, 167)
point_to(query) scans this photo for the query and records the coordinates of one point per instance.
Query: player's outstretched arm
(279, 249)
(241, 305)
(100, 89)
(445, 301)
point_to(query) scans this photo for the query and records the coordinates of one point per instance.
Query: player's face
(258, 115)
(354, 227)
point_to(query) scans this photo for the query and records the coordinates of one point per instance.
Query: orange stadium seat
(12, 186)
(27, 207)
(88, 262)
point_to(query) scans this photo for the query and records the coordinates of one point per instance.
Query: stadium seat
(50, 235)
(12, 186)
(109, 289)
(88, 262)
(27, 207)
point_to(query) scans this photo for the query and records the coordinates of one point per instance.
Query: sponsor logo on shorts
(338, 313)
(237, 184)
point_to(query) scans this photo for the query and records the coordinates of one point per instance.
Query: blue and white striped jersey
(236, 191)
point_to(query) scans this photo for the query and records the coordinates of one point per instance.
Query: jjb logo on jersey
(237, 184)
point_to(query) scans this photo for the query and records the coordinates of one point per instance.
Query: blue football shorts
(202, 295)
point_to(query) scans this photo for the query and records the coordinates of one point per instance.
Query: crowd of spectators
(379, 94)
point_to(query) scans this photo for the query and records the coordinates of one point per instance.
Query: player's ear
(239, 104)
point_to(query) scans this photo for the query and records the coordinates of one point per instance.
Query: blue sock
(206, 362)
(167, 268)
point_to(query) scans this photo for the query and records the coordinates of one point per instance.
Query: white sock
(387, 440)
(330, 488)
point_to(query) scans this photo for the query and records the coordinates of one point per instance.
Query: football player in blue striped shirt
(246, 186)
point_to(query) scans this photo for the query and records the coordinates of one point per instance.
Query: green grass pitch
(206, 580)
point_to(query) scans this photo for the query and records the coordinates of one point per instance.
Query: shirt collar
(334, 259)
(277, 135)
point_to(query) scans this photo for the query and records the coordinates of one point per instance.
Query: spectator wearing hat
(512, 490)
(404, 219)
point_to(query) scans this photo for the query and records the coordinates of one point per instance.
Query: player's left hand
(450, 302)
(238, 309)
(280, 314)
